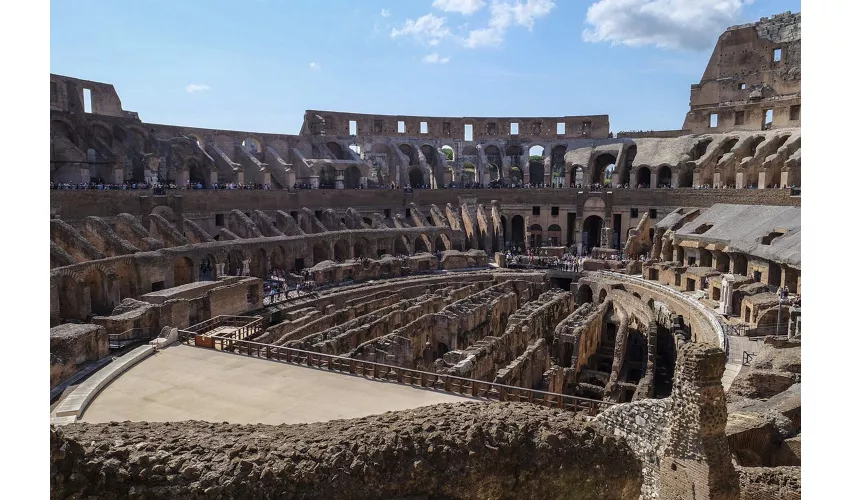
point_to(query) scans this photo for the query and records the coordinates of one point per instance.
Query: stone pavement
(192, 383)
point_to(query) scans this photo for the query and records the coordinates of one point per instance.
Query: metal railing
(245, 326)
(747, 357)
(127, 337)
(417, 378)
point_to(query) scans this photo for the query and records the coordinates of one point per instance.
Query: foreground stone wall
(463, 451)
(72, 346)
(681, 440)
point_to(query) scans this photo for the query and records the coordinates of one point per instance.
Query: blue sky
(256, 65)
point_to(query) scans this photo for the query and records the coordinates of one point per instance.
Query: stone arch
(422, 244)
(584, 294)
(127, 277)
(321, 252)
(700, 148)
(401, 246)
(102, 132)
(342, 250)
(259, 265)
(577, 176)
(252, 145)
(518, 230)
(665, 177)
(592, 231)
(536, 172)
(686, 176)
(601, 167)
(513, 155)
(327, 177)
(352, 177)
(71, 298)
(416, 177)
(446, 146)
(97, 281)
(442, 243)
(197, 172)
(235, 262)
(361, 248)
(183, 271)
(643, 178)
(559, 151)
(207, 268)
(336, 150)
(603, 294)
(430, 153)
(411, 153)
(62, 127)
(768, 318)
(470, 150)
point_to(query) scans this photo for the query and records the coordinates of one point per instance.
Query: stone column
(739, 180)
(314, 181)
(246, 268)
(578, 231)
(718, 180)
(339, 182)
(219, 269)
(726, 295)
(240, 177)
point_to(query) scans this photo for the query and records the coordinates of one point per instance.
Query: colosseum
(412, 307)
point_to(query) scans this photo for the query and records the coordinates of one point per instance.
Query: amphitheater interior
(542, 311)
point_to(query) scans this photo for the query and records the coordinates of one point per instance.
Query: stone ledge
(76, 403)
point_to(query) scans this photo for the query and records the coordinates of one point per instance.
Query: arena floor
(192, 383)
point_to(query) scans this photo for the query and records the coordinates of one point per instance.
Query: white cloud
(428, 28)
(679, 24)
(435, 59)
(505, 14)
(484, 37)
(315, 66)
(385, 13)
(196, 87)
(464, 7)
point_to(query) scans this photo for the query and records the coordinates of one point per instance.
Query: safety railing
(441, 382)
(127, 337)
(243, 327)
(747, 357)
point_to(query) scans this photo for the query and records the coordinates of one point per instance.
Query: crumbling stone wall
(639, 243)
(482, 359)
(72, 346)
(461, 451)
(458, 325)
(681, 439)
(528, 368)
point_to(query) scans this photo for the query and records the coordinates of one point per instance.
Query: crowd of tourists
(283, 286)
